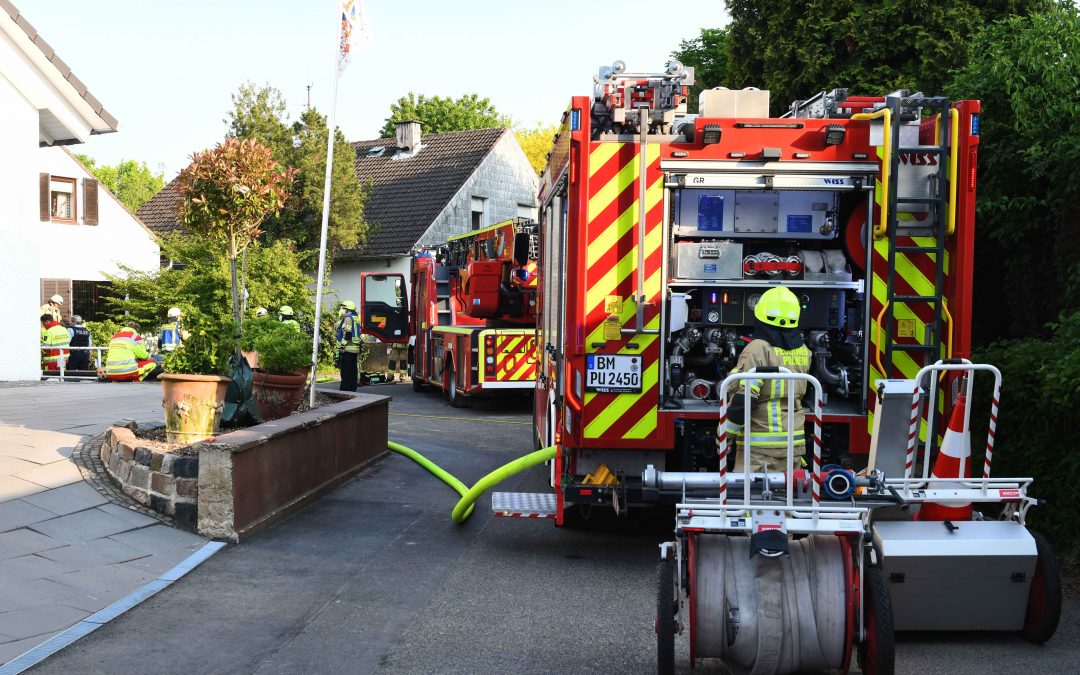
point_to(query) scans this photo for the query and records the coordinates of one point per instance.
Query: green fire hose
(464, 508)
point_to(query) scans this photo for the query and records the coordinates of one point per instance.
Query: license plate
(606, 374)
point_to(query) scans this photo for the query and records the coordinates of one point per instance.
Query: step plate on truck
(523, 504)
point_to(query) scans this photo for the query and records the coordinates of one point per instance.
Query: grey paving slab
(83, 526)
(17, 513)
(9, 650)
(38, 592)
(103, 579)
(52, 475)
(130, 517)
(96, 553)
(10, 465)
(67, 499)
(32, 621)
(39, 455)
(160, 537)
(32, 567)
(24, 542)
(14, 488)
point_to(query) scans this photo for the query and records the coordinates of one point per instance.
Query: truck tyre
(665, 616)
(1044, 598)
(877, 654)
(455, 397)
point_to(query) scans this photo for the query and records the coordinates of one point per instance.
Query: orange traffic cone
(955, 450)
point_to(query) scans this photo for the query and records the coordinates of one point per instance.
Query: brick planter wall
(165, 482)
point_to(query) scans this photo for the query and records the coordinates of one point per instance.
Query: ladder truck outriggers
(471, 321)
(660, 233)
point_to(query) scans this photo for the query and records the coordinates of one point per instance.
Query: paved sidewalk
(65, 550)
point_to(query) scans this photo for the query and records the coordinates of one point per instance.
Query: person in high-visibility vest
(171, 332)
(349, 340)
(53, 338)
(287, 317)
(778, 342)
(128, 360)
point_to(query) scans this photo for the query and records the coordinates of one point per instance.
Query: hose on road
(464, 508)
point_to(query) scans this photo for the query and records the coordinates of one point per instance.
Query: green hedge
(1037, 425)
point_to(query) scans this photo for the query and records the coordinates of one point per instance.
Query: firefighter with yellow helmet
(778, 342)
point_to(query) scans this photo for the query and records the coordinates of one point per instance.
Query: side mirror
(521, 248)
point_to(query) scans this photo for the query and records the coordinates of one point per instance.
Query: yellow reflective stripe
(600, 156)
(614, 187)
(645, 426)
(624, 223)
(614, 276)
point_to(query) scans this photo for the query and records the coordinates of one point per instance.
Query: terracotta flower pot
(192, 405)
(277, 395)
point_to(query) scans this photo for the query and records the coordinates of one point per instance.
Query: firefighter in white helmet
(171, 331)
(52, 307)
(778, 342)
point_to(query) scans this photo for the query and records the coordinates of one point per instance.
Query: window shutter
(90, 201)
(44, 205)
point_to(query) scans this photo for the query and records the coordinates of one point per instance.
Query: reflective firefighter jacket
(170, 336)
(54, 335)
(768, 421)
(349, 333)
(125, 351)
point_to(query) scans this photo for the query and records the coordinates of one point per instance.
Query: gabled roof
(107, 123)
(407, 194)
(161, 212)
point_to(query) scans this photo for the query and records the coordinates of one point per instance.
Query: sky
(166, 69)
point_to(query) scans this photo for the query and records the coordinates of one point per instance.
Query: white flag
(355, 30)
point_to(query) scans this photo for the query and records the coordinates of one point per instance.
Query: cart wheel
(1044, 598)
(877, 653)
(665, 617)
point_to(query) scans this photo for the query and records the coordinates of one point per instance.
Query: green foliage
(207, 349)
(133, 183)
(259, 113)
(536, 142)
(437, 114)
(1039, 399)
(1026, 70)
(283, 350)
(796, 49)
(710, 55)
(256, 328)
(101, 332)
(200, 286)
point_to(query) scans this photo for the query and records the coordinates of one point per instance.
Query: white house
(84, 232)
(42, 103)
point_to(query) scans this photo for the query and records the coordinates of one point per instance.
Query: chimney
(408, 135)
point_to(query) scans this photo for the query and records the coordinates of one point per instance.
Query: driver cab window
(387, 290)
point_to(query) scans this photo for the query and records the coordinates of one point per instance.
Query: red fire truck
(660, 231)
(473, 312)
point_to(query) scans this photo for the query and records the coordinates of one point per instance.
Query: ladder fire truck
(660, 232)
(472, 316)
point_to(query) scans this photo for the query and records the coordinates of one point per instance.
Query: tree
(796, 49)
(710, 55)
(260, 113)
(132, 182)
(437, 115)
(227, 193)
(536, 142)
(1026, 70)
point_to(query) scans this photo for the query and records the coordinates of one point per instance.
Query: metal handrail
(954, 149)
(63, 361)
(886, 164)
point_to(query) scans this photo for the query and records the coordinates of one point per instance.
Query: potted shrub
(284, 362)
(192, 388)
(253, 330)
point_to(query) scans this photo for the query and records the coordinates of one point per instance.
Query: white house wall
(86, 252)
(504, 179)
(345, 277)
(19, 355)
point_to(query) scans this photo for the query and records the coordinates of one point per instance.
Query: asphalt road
(375, 578)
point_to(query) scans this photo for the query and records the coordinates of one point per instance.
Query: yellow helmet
(286, 310)
(349, 305)
(778, 307)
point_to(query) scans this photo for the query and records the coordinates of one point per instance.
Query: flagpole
(325, 222)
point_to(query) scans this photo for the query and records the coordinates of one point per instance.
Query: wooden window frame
(74, 219)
